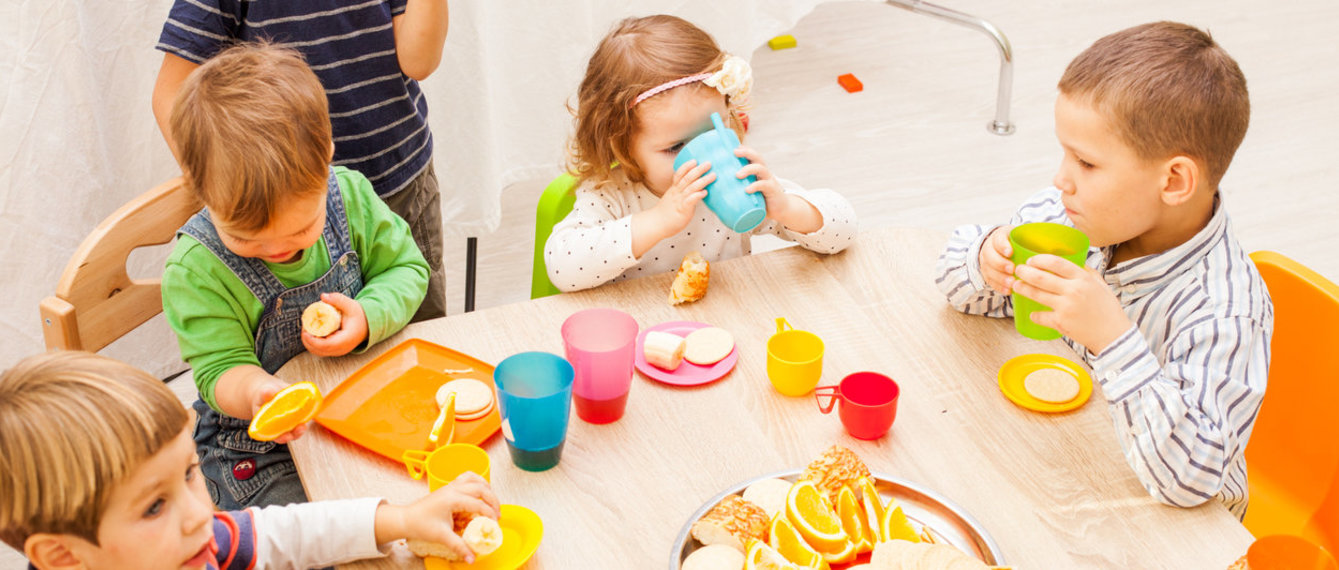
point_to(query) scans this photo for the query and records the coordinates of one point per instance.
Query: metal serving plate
(922, 506)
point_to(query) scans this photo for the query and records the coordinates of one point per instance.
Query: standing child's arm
(170, 77)
(420, 33)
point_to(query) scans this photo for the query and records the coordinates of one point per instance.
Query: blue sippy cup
(738, 210)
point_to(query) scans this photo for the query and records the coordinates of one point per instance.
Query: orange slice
(846, 554)
(787, 541)
(811, 513)
(853, 520)
(895, 525)
(760, 556)
(290, 408)
(873, 505)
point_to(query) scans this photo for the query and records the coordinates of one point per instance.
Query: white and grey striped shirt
(1185, 383)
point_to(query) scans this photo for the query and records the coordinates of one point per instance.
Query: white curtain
(78, 139)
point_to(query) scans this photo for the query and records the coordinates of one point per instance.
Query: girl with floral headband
(650, 87)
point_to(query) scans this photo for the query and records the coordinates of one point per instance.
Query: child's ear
(1183, 177)
(51, 552)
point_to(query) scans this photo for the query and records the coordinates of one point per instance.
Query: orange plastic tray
(389, 405)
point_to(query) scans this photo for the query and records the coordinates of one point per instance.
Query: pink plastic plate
(687, 374)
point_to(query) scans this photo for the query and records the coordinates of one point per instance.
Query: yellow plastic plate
(521, 531)
(1017, 368)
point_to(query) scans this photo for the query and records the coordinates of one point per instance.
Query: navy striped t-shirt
(378, 115)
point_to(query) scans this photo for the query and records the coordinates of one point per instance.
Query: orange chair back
(1292, 459)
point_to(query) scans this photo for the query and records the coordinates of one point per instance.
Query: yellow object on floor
(782, 42)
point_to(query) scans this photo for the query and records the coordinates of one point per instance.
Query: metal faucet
(1001, 125)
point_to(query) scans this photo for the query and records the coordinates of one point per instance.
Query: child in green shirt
(281, 229)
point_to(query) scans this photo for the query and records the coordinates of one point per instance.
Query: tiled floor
(912, 148)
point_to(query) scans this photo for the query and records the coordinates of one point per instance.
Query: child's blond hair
(1167, 89)
(72, 426)
(638, 54)
(252, 129)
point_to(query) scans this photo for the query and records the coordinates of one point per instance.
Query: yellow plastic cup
(794, 359)
(1042, 238)
(445, 463)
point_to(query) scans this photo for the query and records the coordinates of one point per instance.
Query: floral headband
(734, 80)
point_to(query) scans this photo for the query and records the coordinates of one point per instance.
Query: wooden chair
(1292, 460)
(554, 205)
(96, 301)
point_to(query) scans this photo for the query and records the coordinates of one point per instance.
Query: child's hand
(264, 393)
(792, 212)
(675, 209)
(352, 328)
(1082, 306)
(996, 256)
(432, 517)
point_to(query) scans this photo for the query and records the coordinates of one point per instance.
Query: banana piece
(320, 319)
(663, 350)
(482, 535)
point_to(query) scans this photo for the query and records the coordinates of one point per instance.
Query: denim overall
(239, 471)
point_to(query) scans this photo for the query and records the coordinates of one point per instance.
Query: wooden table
(1053, 490)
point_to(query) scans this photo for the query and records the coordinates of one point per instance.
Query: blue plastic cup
(737, 209)
(535, 400)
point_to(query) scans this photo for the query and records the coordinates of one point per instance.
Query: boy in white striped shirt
(1169, 312)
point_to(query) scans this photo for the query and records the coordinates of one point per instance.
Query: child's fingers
(999, 239)
(753, 169)
(747, 153)
(1057, 265)
(1028, 287)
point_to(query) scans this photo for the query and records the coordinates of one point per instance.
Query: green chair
(554, 205)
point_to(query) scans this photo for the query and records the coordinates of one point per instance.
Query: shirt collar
(1143, 275)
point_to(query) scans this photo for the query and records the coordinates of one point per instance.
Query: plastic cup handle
(832, 397)
(415, 461)
(782, 325)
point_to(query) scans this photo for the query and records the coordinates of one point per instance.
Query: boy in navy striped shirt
(370, 56)
(1170, 313)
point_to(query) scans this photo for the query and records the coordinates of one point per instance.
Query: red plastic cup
(601, 345)
(1288, 552)
(868, 403)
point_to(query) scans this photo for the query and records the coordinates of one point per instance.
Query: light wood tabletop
(1053, 491)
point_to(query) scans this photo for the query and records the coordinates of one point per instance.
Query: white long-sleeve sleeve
(593, 244)
(315, 535)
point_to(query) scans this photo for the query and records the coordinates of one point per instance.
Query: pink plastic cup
(868, 403)
(601, 345)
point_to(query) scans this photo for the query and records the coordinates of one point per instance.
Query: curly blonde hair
(636, 55)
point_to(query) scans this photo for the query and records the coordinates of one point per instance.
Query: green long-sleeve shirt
(215, 316)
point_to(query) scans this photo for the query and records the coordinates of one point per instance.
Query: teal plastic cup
(535, 400)
(737, 209)
(1043, 238)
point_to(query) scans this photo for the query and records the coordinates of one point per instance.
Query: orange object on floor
(850, 83)
(1292, 459)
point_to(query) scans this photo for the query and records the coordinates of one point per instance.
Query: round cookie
(472, 397)
(1051, 385)
(707, 346)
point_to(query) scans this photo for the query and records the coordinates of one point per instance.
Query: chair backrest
(1292, 459)
(96, 301)
(554, 205)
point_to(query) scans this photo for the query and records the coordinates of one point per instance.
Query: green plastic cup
(1038, 238)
